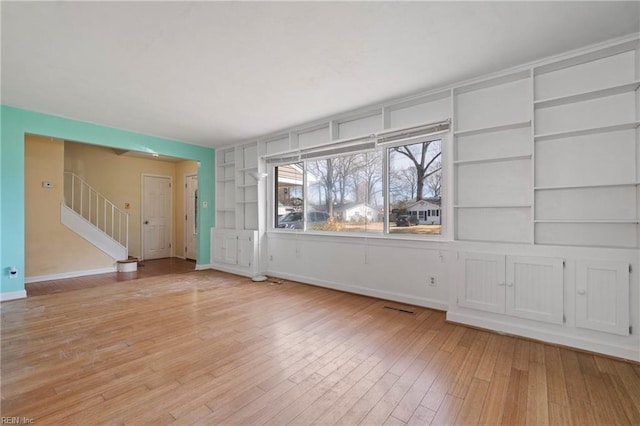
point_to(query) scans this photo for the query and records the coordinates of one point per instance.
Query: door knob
(146, 222)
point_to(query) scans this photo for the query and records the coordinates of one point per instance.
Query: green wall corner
(15, 123)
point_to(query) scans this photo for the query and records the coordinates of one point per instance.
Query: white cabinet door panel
(481, 280)
(602, 296)
(535, 288)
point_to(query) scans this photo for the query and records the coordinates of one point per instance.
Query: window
(347, 188)
(289, 196)
(415, 184)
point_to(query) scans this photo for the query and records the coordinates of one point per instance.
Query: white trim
(203, 266)
(565, 338)
(85, 229)
(184, 227)
(72, 274)
(171, 187)
(379, 294)
(13, 295)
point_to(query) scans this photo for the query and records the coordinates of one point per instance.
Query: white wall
(500, 144)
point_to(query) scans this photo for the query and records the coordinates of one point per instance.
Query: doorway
(191, 216)
(156, 216)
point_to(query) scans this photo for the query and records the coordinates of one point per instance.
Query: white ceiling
(214, 73)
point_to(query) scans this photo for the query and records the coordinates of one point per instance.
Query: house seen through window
(347, 192)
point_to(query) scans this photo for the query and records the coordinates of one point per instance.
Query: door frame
(186, 203)
(171, 245)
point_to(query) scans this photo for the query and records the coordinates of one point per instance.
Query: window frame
(446, 218)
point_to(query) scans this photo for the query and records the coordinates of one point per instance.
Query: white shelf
(493, 160)
(226, 210)
(585, 96)
(491, 129)
(231, 164)
(247, 202)
(249, 169)
(226, 180)
(492, 206)
(587, 221)
(589, 131)
(249, 185)
(597, 185)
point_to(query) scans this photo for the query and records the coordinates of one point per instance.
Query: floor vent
(404, 311)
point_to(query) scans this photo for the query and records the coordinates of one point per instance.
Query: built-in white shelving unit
(225, 189)
(586, 149)
(237, 190)
(492, 139)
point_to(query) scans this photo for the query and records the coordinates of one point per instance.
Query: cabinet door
(481, 281)
(218, 247)
(245, 250)
(231, 249)
(535, 288)
(602, 296)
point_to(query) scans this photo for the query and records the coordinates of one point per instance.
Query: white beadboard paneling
(313, 138)
(360, 127)
(586, 203)
(494, 224)
(593, 75)
(602, 296)
(492, 106)
(623, 235)
(427, 112)
(494, 144)
(481, 281)
(505, 182)
(580, 160)
(535, 288)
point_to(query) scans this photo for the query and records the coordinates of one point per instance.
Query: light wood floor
(148, 268)
(211, 348)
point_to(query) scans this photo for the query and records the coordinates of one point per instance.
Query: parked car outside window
(295, 220)
(406, 220)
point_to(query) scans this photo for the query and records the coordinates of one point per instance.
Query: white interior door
(156, 217)
(191, 217)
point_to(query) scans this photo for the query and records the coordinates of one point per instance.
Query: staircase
(89, 214)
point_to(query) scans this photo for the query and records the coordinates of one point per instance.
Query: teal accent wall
(15, 123)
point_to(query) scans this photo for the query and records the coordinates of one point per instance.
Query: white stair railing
(96, 209)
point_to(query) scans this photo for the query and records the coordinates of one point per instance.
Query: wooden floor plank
(206, 347)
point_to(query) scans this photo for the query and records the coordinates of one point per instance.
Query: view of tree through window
(346, 193)
(415, 188)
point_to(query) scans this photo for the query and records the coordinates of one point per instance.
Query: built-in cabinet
(525, 287)
(532, 287)
(235, 240)
(236, 248)
(602, 296)
(541, 201)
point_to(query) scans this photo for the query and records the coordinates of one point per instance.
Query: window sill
(362, 235)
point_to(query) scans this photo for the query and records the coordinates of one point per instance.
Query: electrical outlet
(432, 281)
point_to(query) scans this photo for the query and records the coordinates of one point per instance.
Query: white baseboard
(564, 339)
(13, 295)
(396, 297)
(203, 266)
(71, 274)
(230, 269)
